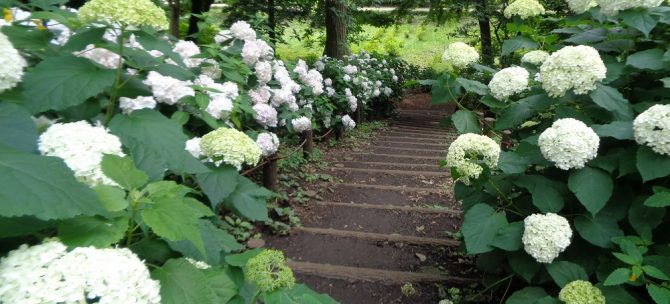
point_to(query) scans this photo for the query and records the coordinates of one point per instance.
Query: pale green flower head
(125, 12)
(269, 271)
(524, 9)
(231, 147)
(581, 292)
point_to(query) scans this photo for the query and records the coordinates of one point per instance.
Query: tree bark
(197, 8)
(337, 45)
(485, 33)
(272, 22)
(75, 3)
(174, 17)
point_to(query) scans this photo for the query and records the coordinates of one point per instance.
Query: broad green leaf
(240, 259)
(521, 110)
(509, 238)
(617, 129)
(511, 162)
(249, 200)
(154, 250)
(644, 219)
(84, 37)
(659, 200)
(92, 231)
(564, 272)
(598, 231)
(590, 36)
(172, 219)
(517, 43)
(22, 226)
(651, 59)
(27, 37)
(43, 187)
(165, 188)
(616, 294)
(301, 290)
(218, 183)
(527, 295)
(18, 130)
(524, 265)
(123, 171)
(651, 164)
(465, 121)
(614, 70)
(639, 19)
(156, 143)
(112, 198)
(615, 46)
(182, 283)
(660, 295)
(593, 187)
(655, 272)
(480, 227)
(198, 207)
(473, 86)
(279, 297)
(60, 82)
(444, 90)
(223, 286)
(216, 242)
(618, 277)
(547, 194)
(491, 102)
(610, 99)
(625, 258)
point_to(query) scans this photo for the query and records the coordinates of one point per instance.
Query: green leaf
(511, 162)
(218, 183)
(527, 295)
(123, 171)
(22, 226)
(651, 59)
(639, 19)
(547, 194)
(509, 238)
(593, 187)
(84, 37)
(598, 231)
(517, 43)
(112, 198)
(644, 219)
(491, 102)
(524, 265)
(654, 272)
(301, 290)
(616, 294)
(182, 283)
(610, 99)
(660, 295)
(626, 258)
(617, 277)
(659, 200)
(223, 286)
(28, 38)
(564, 272)
(172, 219)
(18, 130)
(216, 242)
(465, 121)
(521, 110)
(444, 90)
(590, 36)
(156, 143)
(651, 164)
(249, 200)
(480, 227)
(473, 86)
(43, 187)
(92, 231)
(60, 82)
(617, 129)
(240, 259)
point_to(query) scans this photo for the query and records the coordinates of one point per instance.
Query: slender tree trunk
(336, 28)
(174, 17)
(197, 8)
(75, 3)
(485, 33)
(272, 22)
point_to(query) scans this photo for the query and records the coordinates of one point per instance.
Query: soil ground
(389, 217)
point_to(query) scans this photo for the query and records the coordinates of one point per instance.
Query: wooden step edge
(393, 188)
(387, 171)
(370, 236)
(409, 149)
(414, 139)
(373, 275)
(411, 143)
(422, 135)
(435, 166)
(398, 156)
(389, 207)
(419, 130)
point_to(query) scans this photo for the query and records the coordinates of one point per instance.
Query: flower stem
(117, 81)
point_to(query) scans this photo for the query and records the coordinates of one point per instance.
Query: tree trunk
(485, 33)
(272, 22)
(336, 28)
(174, 17)
(197, 8)
(75, 3)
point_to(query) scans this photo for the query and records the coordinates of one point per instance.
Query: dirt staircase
(387, 223)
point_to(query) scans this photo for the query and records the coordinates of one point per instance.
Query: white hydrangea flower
(221, 96)
(508, 81)
(47, 273)
(230, 146)
(524, 9)
(268, 142)
(128, 105)
(224, 35)
(282, 75)
(652, 128)
(545, 236)
(11, 64)
(353, 103)
(301, 124)
(320, 66)
(265, 115)
(253, 50)
(243, 31)
(350, 69)
(581, 6)
(346, 78)
(469, 149)
(349, 124)
(186, 50)
(388, 91)
(573, 67)
(211, 69)
(330, 91)
(263, 72)
(81, 146)
(536, 57)
(328, 82)
(282, 96)
(569, 143)
(612, 7)
(168, 90)
(100, 56)
(193, 146)
(261, 94)
(460, 55)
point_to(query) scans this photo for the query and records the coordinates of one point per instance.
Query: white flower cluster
(349, 124)
(460, 55)
(47, 273)
(187, 50)
(311, 78)
(229, 146)
(612, 7)
(351, 100)
(128, 105)
(193, 146)
(168, 90)
(81, 146)
(508, 81)
(301, 124)
(581, 6)
(263, 70)
(100, 56)
(254, 50)
(268, 142)
(243, 31)
(221, 96)
(265, 115)
(569, 143)
(536, 57)
(467, 150)
(11, 64)
(524, 9)
(260, 94)
(652, 128)
(573, 67)
(545, 236)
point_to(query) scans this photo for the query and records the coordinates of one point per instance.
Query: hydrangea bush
(575, 209)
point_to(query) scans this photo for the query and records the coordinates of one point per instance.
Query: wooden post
(357, 115)
(309, 143)
(270, 171)
(339, 132)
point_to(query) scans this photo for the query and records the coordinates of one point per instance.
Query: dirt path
(386, 223)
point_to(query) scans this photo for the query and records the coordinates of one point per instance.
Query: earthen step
(371, 274)
(411, 139)
(398, 197)
(388, 171)
(392, 179)
(431, 131)
(381, 237)
(385, 157)
(434, 167)
(451, 212)
(394, 188)
(407, 151)
(417, 135)
(410, 144)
